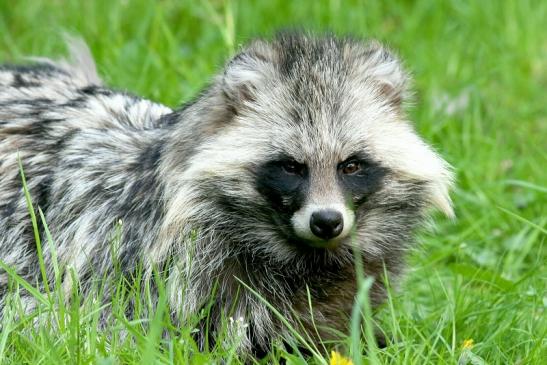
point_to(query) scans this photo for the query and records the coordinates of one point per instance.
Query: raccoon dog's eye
(292, 167)
(350, 167)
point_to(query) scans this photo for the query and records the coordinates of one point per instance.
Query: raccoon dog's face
(317, 152)
(314, 202)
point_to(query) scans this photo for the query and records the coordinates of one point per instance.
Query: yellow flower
(468, 344)
(337, 359)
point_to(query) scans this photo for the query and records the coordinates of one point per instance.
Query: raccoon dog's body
(297, 151)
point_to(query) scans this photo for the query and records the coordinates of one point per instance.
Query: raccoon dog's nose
(326, 224)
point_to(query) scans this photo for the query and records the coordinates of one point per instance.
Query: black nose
(326, 224)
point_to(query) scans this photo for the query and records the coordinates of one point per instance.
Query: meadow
(476, 288)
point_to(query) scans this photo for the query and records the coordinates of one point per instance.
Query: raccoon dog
(297, 155)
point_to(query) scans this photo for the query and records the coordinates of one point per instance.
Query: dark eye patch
(283, 182)
(359, 183)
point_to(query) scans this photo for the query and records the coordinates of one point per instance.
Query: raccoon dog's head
(316, 153)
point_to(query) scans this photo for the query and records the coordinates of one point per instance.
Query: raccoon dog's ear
(379, 65)
(247, 72)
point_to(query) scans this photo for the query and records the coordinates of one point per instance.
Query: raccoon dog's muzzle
(323, 225)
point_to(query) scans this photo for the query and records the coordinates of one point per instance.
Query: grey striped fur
(184, 181)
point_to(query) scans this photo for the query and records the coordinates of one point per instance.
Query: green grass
(480, 70)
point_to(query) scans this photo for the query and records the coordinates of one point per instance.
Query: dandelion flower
(468, 344)
(337, 359)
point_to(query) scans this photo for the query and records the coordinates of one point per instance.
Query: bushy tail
(79, 63)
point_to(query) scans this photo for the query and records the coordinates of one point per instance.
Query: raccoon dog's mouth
(325, 244)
